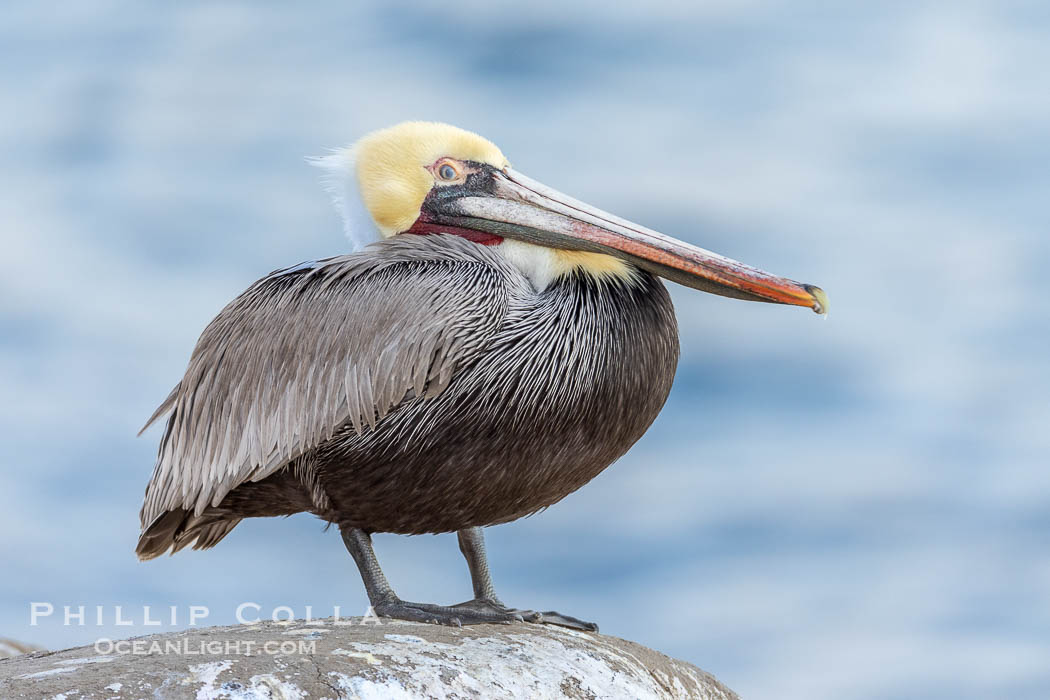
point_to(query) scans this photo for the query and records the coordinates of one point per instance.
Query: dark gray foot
(491, 606)
(472, 544)
(455, 615)
(474, 612)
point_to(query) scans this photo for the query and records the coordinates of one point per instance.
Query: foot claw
(552, 617)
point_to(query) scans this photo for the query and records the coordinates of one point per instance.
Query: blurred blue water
(857, 507)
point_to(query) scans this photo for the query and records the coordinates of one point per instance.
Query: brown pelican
(496, 347)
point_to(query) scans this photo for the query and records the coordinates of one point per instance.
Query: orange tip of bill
(820, 299)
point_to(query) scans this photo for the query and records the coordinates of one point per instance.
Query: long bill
(520, 208)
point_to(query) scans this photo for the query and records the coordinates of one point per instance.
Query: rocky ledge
(358, 659)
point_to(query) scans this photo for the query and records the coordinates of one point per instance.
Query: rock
(359, 658)
(9, 648)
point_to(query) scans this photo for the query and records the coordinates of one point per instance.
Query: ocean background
(856, 507)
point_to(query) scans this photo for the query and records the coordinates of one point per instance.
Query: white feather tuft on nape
(340, 180)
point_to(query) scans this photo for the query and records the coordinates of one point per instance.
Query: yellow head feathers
(391, 167)
(379, 185)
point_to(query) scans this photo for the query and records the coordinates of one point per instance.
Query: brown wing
(309, 349)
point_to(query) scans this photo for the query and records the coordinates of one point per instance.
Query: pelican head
(426, 178)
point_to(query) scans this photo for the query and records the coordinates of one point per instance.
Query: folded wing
(312, 349)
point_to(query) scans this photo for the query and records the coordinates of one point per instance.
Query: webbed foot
(475, 612)
(491, 606)
(472, 612)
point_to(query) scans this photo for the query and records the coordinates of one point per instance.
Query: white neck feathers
(340, 180)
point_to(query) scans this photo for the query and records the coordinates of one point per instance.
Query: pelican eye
(447, 172)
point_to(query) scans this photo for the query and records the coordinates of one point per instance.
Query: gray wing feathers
(163, 409)
(305, 351)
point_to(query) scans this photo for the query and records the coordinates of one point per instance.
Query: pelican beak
(511, 205)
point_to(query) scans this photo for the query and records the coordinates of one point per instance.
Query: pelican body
(492, 347)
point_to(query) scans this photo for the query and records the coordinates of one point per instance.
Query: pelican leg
(472, 544)
(385, 602)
